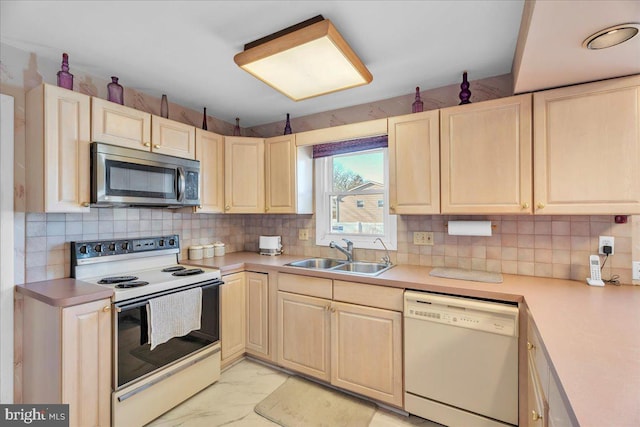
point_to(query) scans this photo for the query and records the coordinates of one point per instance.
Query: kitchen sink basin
(368, 268)
(317, 263)
(339, 266)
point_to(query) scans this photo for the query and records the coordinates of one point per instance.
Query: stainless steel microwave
(123, 176)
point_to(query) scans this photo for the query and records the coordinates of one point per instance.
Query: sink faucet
(387, 258)
(348, 251)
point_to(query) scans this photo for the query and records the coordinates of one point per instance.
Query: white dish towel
(174, 315)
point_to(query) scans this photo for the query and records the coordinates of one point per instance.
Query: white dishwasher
(461, 360)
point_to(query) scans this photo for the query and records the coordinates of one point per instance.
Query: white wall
(6, 250)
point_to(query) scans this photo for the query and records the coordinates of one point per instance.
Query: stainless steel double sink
(361, 268)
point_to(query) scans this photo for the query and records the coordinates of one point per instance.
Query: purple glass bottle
(465, 93)
(236, 129)
(417, 105)
(65, 78)
(204, 119)
(287, 126)
(115, 91)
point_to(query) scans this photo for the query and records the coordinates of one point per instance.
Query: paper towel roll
(469, 228)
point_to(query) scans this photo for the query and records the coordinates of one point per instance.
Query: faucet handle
(348, 242)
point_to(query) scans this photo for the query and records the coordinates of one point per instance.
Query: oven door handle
(139, 302)
(182, 183)
(165, 376)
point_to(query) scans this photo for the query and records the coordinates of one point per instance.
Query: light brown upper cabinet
(210, 153)
(116, 124)
(587, 148)
(173, 138)
(486, 157)
(414, 163)
(243, 174)
(57, 142)
(288, 176)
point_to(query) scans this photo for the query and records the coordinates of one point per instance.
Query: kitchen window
(352, 190)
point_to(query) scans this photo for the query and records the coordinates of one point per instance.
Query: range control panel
(88, 249)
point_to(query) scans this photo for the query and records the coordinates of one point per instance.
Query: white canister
(218, 249)
(195, 252)
(208, 251)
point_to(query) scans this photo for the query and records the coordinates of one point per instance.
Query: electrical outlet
(635, 270)
(303, 234)
(605, 241)
(423, 238)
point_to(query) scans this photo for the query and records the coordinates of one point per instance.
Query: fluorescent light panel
(308, 62)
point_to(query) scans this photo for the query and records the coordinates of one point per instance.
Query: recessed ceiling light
(611, 36)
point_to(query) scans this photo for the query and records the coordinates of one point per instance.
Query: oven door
(133, 357)
(123, 176)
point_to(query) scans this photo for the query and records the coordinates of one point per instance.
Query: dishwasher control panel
(466, 313)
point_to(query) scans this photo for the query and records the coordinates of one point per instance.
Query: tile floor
(230, 402)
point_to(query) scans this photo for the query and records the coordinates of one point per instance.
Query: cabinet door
(173, 138)
(86, 363)
(257, 314)
(303, 334)
(243, 175)
(538, 409)
(486, 157)
(280, 174)
(414, 164)
(232, 317)
(119, 125)
(58, 137)
(366, 351)
(210, 152)
(587, 148)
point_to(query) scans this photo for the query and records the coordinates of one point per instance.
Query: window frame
(324, 188)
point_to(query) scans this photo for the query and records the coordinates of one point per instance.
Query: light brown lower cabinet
(67, 359)
(257, 290)
(353, 347)
(232, 318)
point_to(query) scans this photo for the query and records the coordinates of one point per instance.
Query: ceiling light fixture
(611, 36)
(305, 60)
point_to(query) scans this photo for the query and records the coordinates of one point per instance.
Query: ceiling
(185, 49)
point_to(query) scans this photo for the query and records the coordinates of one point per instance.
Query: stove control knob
(112, 246)
(172, 242)
(124, 246)
(83, 249)
(161, 242)
(98, 248)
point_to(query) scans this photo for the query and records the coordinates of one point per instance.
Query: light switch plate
(424, 238)
(303, 234)
(635, 270)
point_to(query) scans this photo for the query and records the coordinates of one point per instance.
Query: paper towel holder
(493, 226)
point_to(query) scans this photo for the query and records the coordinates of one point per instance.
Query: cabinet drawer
(312, 286)
(371, 295)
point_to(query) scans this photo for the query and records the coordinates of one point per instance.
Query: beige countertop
(591, 334)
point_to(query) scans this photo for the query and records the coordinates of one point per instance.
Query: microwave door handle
(181, 183)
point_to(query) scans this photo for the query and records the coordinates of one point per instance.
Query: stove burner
(116, 279)
(134, 284)
(189, 272)
(174, 268)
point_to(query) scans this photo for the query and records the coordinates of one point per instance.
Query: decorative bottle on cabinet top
(287, 126)
(115, 91)
(465, 93)
(236, 129)
(417, 105)
(204, 119)
(164, 107)
(65, 78)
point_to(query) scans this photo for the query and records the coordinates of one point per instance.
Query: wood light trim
(292, 41)
(342, 133)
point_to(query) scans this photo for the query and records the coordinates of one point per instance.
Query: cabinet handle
(333, 309)
(530, 346)
(327, 307)
(226, 208)
(540, 205)
(106, 308)
(147, 144)
(156, 146)
(199, 206)
(535, 416)
(392, 208)
(85, 204)
(266, 209)
(525, 205)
